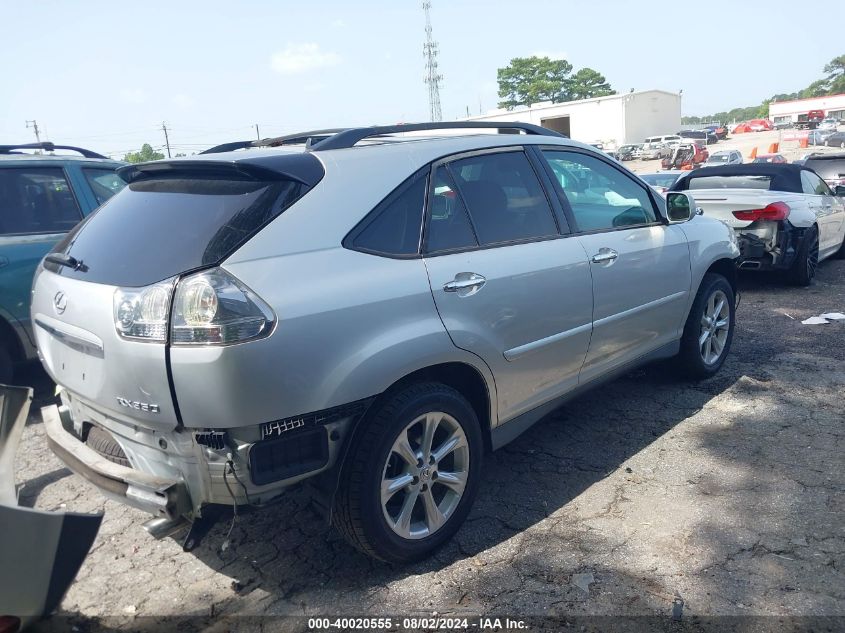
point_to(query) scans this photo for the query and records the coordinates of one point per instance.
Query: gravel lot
(728, 493)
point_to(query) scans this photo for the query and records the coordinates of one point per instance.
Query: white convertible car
(786, 217)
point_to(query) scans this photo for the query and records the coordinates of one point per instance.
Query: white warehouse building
(782, 111)
(613, 121)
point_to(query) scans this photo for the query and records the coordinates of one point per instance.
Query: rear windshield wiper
(66, 260)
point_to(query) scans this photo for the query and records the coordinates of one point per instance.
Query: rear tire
(709, 329)
(104, 444)
(398, 523)
(803, 271)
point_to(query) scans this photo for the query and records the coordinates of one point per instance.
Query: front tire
(709, 329)
(411, 475)
(804, 269)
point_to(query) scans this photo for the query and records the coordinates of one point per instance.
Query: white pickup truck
(785, 216)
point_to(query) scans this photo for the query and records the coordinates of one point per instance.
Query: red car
(686, 156)
(769, 158)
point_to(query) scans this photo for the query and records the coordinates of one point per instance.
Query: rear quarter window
(393, 227)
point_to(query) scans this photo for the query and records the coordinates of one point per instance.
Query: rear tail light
(214, 308)
(141, 313)
(209, 308)
(774, 211)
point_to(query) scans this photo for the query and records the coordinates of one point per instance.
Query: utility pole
(166, 139)
(34, 126)
(257, 133)
(432, 76)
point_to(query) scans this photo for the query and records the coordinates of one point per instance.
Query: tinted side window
(36, 200)
(395, 227)
(600, 196)
(504, 197)
(448, 225)
(103, 182)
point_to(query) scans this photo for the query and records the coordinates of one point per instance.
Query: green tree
(528, 80)
(147, 153)
(587, 83)
(818, 88)
(836, 75)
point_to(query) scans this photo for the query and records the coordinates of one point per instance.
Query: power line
(432, 76)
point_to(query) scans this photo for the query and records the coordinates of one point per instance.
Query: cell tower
(432, 77)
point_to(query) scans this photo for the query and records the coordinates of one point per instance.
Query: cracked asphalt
(728, 493)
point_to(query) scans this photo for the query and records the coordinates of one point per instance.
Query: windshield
(719, 158)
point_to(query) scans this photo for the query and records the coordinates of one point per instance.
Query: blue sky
(106, 74)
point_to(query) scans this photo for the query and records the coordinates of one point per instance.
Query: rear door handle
(605, 256)
(464, 281)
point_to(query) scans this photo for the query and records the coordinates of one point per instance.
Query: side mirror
(680, 207)
(839, 190)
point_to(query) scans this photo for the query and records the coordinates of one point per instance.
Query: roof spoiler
(47, 146)
(301, 167)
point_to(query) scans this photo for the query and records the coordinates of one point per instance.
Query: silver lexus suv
(367, 309)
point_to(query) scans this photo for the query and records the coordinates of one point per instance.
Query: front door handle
(465, 281)
(605, 256)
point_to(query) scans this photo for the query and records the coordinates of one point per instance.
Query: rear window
(158, 228)
(731, 182)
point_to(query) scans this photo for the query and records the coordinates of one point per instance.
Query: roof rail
(47, 146)
(349, 138)
(312, 136)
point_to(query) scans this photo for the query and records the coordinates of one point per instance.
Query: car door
(509, 285)
(37, 207)
(640, 266)
(828, 210)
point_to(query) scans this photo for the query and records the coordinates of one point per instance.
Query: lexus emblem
(60, 302)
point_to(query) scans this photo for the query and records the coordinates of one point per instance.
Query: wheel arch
(471, 381)
(9, 338)
(726, 268)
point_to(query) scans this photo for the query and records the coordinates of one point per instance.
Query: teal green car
(42, 197)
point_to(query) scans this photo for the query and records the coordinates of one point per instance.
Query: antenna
(432, 77)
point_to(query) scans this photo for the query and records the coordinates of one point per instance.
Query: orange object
(753, 154)
(803, 143)
(773, 148)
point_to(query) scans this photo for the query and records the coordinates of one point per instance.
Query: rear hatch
(173, 218)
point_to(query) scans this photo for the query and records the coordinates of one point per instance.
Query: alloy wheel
(813, 258)
(425, 475)
(715, 325)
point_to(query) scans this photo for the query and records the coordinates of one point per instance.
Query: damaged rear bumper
(157, 495)
(768, 245)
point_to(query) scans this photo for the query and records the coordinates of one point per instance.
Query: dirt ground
(727, 495)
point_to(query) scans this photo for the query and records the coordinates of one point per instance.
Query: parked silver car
(727, 157)
(369, 311)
